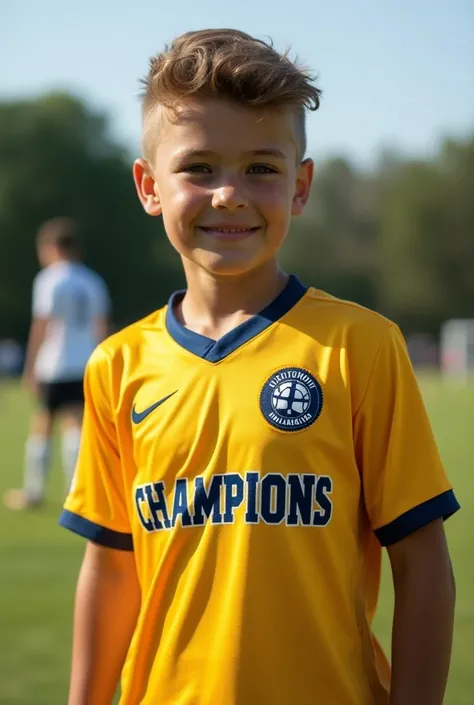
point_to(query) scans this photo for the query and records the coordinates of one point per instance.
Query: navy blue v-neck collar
(216, 350)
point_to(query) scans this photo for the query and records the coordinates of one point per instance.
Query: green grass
(39, 561)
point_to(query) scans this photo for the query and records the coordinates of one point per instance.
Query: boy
(248, 448)
(70, 306)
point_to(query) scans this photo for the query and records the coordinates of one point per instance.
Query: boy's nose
(229, 197)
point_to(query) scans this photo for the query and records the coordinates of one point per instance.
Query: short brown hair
(227, 63)
(62, 233)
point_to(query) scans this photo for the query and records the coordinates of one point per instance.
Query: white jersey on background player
(73, 299)
(69, 311)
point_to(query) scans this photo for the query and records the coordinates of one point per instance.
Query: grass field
(39, 561)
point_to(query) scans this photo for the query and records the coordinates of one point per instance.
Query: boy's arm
(35, 339)
(42, 310)
(105, 615)
(424, 615)
(108, 594)
(407, 496)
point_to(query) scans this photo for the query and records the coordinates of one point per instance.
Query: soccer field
(39, 560)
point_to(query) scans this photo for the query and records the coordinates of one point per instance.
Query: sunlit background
(390, 225)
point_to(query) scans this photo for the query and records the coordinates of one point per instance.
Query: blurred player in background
(70, 311)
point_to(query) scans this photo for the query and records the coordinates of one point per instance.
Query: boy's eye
(261, 169)
(206, 169)
(198, 169)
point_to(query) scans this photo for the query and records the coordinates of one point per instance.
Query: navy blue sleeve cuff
(95, 532)
(440, 507)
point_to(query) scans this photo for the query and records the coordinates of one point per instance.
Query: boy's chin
(225, 265)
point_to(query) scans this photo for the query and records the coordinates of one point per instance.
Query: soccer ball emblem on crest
(291, 399)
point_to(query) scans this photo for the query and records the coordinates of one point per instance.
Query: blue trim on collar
(216, 350)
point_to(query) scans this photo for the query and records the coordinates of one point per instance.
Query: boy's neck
(213, 305)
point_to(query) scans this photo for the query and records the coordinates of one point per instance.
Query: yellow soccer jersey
(256, 479)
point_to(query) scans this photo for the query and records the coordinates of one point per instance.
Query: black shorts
(55, 395)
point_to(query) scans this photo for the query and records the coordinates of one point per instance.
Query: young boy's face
(227, 180)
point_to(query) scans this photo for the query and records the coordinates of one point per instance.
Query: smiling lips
(223, 231)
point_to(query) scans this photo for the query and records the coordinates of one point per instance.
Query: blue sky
(394, 74)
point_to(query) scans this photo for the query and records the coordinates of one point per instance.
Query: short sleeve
(96, 506)
(43, 304)
(404, 482)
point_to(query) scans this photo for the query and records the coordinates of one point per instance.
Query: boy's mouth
(226, 232)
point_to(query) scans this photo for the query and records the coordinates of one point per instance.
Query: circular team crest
(291, 399)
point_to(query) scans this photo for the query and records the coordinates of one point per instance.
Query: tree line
(398, 238)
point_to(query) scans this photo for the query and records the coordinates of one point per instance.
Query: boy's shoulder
(336, 316)
(120, 344)
(360, 339)
(47, 275)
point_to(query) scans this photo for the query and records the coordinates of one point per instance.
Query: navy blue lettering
(322, 516)
(180, 504)
(234, 495)
(273, 501)
(301, 499)
(147, 524)
(251, 516)
(298, 499)
(157, 503)
(205, 502)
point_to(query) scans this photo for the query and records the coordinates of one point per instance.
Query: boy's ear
(304, 179)
(146, 187)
